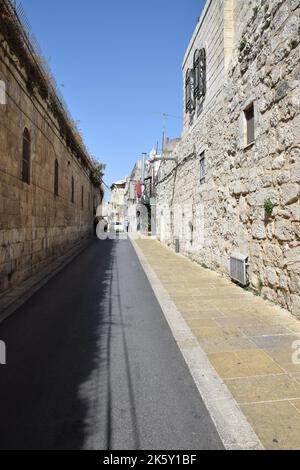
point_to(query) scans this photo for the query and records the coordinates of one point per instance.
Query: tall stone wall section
(227, 213)
(36, 226)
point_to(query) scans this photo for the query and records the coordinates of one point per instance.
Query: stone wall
(227, 213)
(36, 226)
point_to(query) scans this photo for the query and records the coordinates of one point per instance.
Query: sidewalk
(248, 341)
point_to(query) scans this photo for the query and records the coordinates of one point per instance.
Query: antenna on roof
(165, 117)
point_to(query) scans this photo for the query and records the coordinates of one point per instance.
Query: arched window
(26, 157)
(56, 178)
(199, 73)
(72, 190)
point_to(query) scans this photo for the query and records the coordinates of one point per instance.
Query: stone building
(132, 197)
(49, 187)
(234, 190)
(117, 202)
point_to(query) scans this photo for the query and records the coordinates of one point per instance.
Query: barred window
(56, 178)
(200, 73)
(26, 157)
(189, 90)
(202, 168)
(196, 73)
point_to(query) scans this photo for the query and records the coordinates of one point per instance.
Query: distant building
(117, 202)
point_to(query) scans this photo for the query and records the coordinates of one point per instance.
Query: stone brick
(295, 210)
(283, 230)
(295, 305)
(295, 4)
(259, 231)
(290, 194)
(281, 16)
(292, 257)
(272, 277)
(273, 255)
(295, 173)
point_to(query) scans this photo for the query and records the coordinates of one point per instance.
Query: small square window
(250, 124)
(202, 168)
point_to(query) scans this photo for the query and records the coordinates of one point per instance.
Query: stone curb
(232, 426)
(19, 297)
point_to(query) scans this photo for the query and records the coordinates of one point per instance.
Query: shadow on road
(55, 392)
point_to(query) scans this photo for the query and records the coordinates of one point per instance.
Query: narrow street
(92, 364)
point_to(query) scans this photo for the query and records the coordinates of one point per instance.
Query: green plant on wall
(98, 173)
(269, 206)
(243, 44)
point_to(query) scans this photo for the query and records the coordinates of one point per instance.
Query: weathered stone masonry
(36, 225)
(253, 57)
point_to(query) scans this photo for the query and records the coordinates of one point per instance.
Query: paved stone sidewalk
(248, 341)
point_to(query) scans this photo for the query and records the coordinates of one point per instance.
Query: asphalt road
(92, 364)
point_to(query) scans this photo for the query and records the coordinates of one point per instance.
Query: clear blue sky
(119, 61)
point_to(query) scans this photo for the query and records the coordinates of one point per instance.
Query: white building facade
(234, 189)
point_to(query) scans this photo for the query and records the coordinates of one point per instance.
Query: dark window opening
(202, 168)
(72, 190)
(56, 178)
(82, 197)
(249, 115)
(26, 157)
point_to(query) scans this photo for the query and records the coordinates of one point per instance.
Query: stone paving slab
(248, 341)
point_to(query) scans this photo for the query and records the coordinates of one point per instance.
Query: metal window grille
(238, 268)
(196, 74)
(200, 73)
(188, 91)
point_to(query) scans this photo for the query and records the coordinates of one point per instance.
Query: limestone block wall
(227, 212)
(36, 226)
